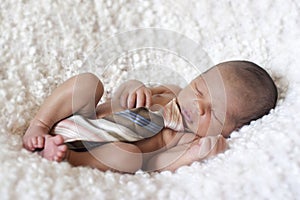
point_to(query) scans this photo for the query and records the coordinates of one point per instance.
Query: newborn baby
(197, 118)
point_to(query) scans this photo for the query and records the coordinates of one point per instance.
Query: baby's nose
(198, 110)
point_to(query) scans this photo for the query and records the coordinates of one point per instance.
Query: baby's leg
(117, 156)
(54, 148)
(78, 95)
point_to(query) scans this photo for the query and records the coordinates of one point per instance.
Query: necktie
(127, 125)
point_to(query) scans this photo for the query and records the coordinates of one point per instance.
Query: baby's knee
(88, 87)
(94, 81)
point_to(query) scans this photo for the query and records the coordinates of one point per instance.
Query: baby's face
(202, 105)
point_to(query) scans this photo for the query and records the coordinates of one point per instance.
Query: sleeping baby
(149, 128)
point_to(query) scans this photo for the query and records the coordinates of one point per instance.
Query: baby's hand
(134, 94)
(34, 137)
(207, 146)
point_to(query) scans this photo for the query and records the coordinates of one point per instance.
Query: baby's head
(226, 97)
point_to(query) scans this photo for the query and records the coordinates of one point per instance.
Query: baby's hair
(256, 91)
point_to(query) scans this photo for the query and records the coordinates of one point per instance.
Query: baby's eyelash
(198, 92)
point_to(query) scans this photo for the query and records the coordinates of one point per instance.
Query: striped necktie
(140, 121)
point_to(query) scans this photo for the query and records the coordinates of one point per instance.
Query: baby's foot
(54, 148)
(34, 137)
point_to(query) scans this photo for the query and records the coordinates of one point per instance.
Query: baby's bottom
(117, 156)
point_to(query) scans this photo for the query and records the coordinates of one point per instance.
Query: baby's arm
(187, 153)
(79, 94)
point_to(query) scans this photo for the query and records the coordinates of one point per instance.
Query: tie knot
(172, 116)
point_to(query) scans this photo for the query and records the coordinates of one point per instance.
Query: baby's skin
(193, 100)
(54, 148)
(217, 102)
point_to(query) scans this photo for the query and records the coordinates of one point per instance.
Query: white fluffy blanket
(42, 43)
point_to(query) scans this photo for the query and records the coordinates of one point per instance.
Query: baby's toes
(32, 144)
(62, 148)
(60, 155)
(40, 142)
(27, 145)
(58, 140)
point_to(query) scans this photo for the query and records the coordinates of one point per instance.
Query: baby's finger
(131, 100)
(140, 99)
(148, 95)
(123, 100)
